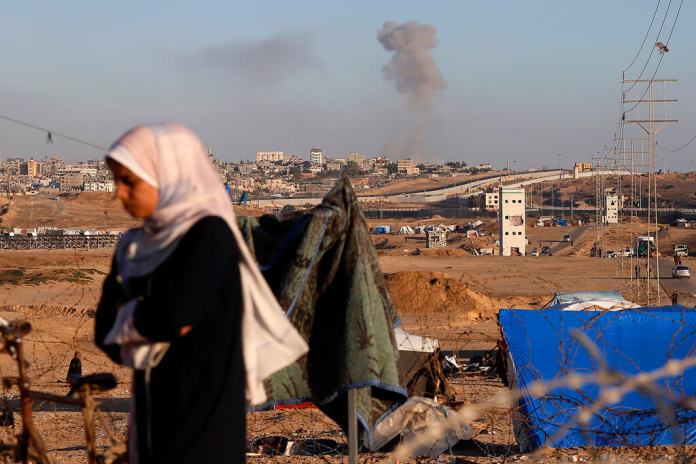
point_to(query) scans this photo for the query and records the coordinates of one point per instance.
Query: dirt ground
(447, 294)
(460, 294)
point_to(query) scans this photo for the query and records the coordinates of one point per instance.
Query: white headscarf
(172, 159)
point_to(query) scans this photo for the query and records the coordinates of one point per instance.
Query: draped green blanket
(324, 270)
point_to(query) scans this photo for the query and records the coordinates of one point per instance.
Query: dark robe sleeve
(186, 287)
(113, 296)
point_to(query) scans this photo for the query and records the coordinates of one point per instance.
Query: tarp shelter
(380, 230)
(611, 300)
(406, 230)
(541, 346)
(419, 366)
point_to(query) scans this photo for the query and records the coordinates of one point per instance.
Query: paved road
(685, 287)
(562, 248)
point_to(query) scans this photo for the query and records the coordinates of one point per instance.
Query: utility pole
(651, 125)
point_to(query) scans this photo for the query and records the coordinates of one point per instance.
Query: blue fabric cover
(542, 347)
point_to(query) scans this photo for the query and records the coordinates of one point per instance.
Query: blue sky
(525, 80)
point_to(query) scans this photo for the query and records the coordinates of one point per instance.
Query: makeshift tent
(542, 346)
(419, 364)
(590, 301)
(406, 230)
(380, 230)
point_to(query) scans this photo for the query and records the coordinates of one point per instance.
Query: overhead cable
(669, 37)
(51, 133)
(644, 38)
(677, 149)
(657, 37)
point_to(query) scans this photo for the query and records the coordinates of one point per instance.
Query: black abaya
(190, 408)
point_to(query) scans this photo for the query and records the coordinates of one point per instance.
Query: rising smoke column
(413, 71)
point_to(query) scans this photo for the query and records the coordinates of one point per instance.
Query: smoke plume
(413, 71)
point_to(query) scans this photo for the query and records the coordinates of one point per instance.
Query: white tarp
(590, 301)
(406, 230)
(599, 305)
(407, 342)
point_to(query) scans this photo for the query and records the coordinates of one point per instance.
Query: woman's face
(138, 197)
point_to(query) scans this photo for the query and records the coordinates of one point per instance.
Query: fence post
(352, 426)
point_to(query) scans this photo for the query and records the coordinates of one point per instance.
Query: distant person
(74, 369)
(675, 297)
(172, 306)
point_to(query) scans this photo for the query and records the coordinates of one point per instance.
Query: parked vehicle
(681, 272)
(645, 246)
(626, 252)
(681, 250)
(545, 251)
(566, 238)
(534, 252)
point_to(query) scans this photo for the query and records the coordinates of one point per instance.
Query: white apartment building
(269, 156)
(611, 208)
(316, 156)
(492, 201)
(99, 186)
(511, 222)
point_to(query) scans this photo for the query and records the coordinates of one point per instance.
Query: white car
(681, 250)
(535, 252)
(681, 271)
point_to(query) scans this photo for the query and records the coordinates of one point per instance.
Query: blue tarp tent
(541, 346)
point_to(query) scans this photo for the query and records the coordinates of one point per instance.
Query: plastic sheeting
(541, 346)
(407, 342)
(590, 301)
(413, 421)
(573, 297)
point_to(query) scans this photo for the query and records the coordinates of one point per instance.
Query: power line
(644, 38)
(677, 149)
(662, 25)
(51, 133)
(669, 37)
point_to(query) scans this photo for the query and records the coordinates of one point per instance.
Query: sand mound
(433, 292)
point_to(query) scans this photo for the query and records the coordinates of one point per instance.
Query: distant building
(492, 201)
(406, 166)
(611, 208)
(581, 167)
(333, 165)
(316, 156)
(511, 222)
(356, 157)
(269, 156)
(71, 181)
(33, 168)
(99, 186)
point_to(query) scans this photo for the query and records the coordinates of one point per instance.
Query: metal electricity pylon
(651, 123)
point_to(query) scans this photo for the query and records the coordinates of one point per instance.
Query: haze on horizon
(521, 82)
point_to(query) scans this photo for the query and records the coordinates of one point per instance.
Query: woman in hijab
(185, 305)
